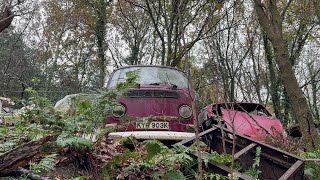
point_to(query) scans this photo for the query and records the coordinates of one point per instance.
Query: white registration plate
(153, 125)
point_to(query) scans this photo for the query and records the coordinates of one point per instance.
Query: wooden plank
(275, 159)
(244, 150)
(200, 134)
(224, 168)
(292, 170)
(262, 144)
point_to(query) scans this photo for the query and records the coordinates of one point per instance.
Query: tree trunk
(271, 23)
(274, 85)
(21, 156)
(100, 34)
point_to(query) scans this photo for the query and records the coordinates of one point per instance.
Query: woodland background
(263, 51)
(60, 47)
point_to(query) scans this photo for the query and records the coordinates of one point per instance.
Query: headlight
(118, 111)
(185, 111)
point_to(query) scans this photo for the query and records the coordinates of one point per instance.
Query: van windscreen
(151, 76)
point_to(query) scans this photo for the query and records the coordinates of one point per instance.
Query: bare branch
(6, 20)
(283, 13)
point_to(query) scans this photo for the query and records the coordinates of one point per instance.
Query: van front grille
(152, 94)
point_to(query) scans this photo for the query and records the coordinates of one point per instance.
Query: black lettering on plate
(161, 125)
(139, 125)
(166, 125)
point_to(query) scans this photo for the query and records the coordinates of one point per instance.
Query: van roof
(123, 67)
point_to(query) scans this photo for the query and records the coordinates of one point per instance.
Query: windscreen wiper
(173, 86)
(154, 84)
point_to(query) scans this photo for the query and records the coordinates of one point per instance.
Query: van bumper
(160, 135)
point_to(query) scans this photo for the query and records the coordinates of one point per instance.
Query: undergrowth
(151, 159)
(79, 132)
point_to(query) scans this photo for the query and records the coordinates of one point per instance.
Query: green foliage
(170, 175)
(65, 139)
(140, 165)
(311, 168)
(212, 176)
(216, 157)
(119, 160)
(154, 159)
(131, 77)
(78, 178)
(40, 119)
(89, 111)
(193, 147)
(182, 155)
(11, 137)
(46, 164)
(253, 170)
(35, 98)
(38, 111)
(154, 148)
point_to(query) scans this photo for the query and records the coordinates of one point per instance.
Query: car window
(151, 76)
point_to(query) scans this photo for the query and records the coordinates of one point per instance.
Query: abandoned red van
(162, 95)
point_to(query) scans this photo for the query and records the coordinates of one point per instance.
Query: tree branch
(283, 13)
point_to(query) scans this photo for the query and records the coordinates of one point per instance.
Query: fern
(153, 148)
(219, 158)
(46, 164)
(66, 139)
(179, 148)
(193, 147)
(142, 166)
(212, 176)
(183, 158)
(170, 175)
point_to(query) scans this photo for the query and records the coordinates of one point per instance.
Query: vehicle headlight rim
(189, 113)
(118, 106)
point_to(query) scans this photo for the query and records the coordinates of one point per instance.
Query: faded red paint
(156, 106)
(209, 110)
(255, 126)
(144, 107)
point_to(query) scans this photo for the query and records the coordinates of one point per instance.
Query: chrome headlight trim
(185, 111)
(118, 111)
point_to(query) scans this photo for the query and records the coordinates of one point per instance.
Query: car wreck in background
(5, 115)
(162, 95)
(249, 119)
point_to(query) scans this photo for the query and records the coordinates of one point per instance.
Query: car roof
(245, 105)
(169, 67)
(231, 103)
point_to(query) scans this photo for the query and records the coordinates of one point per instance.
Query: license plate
(153, 125)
